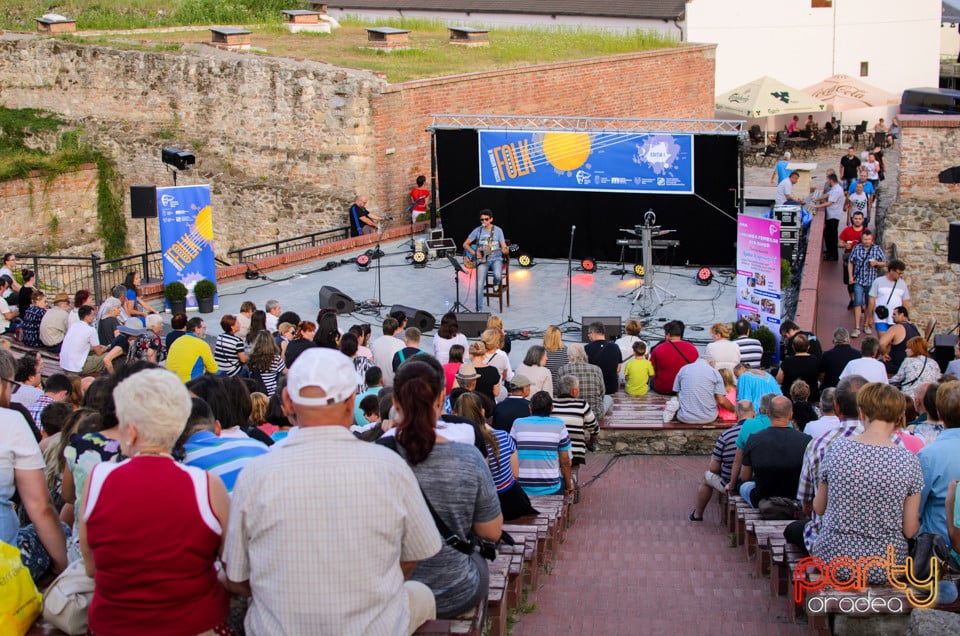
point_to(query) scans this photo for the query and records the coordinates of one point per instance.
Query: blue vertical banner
(186, 236)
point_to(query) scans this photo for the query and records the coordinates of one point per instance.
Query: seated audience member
(753, 384)
(29, 368)
(516, 404)
(802, 365)
(638, 370)
(940, 462)
(385, 347)
(447, 336)
(869, 366)
(258, 413)
(8, 314)
(228, 351)
(373, 380)
(631, 336)
(591, 380)
(953, 367)
(543, 445)
(773, 457)
(917, 368)
(534, 370)
(700, 391)
(267, 555)
(190, 356)
(224, 457)
(605, 355)
(120, 351)
(302, 340)
(265, 363)
(149, 499)
(828, 415)
(411, 337)
(109, 319)
(893, 499)
(717, 475)
(455, 356)
(32, 318)
(578, 418)
(557, 351)
(285, 333)
(803, 411)
(349, 346)
(53, 325)
(42, 543)
(456, 481)
(669, 356)
(81, 352)
(150, 345)
(178, 327)
(722, 353)
(835, 360)
(893, 341)
(929, 427)
(749, 426)
(751, 350)
(493, 339)
(789, 330)
(488, 376)
(25, 296)
(243, 318)
(272, 311)
(57, 388)
(730, 384)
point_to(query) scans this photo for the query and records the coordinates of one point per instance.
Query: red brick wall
(669, 83)
(929, 145)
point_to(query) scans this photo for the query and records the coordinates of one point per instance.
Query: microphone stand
(570, 324)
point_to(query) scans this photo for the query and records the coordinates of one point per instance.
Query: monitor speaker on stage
(335, 299)
(143, 201)
(953, 243)
(422, 320)
(612, 326)
(943, 349)
(472, 325)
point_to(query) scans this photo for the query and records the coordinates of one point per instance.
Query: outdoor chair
(861, 129)
(490, 289)
(879, 139)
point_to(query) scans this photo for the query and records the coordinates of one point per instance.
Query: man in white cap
(324, 530)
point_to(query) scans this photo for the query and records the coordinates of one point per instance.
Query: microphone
(573, 228)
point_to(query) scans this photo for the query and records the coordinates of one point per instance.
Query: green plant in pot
(769, 342)
(176, 295)
(204, 291)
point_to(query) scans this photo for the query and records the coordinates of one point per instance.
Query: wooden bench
(51, 361)
(646, 412)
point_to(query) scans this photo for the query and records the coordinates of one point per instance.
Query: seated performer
(487, 251)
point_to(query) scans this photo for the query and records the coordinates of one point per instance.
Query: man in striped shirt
(543, 447)
(222, 456)
(577, 416)
(751, 351)
(721, 462)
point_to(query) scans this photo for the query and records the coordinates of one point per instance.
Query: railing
(113, 272)
(282, 246)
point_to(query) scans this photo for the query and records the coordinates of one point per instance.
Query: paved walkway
(633, 564)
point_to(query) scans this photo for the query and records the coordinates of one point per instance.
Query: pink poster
(758, 273)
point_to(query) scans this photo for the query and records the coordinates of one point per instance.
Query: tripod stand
(570, 324)
(457, 269)
(648, 287)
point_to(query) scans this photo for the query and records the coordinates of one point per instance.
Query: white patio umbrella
(842, 93)
(766, 97)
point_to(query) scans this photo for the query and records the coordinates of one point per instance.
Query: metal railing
(284, 246)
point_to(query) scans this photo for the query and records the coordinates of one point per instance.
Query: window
(864, 69)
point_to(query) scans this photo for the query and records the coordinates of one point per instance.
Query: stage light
(638, 269)
(524, 260)
(589, 265)
(419, 258)
(704, 276)
(363, 262)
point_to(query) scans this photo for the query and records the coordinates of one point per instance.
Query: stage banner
(186, 236)
(758, 274)
(586, 161)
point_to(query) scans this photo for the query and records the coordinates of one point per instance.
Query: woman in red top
(418, 199)
(152, 529)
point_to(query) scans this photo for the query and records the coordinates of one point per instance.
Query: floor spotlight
(524, 260)
(704, 276)
(419, 258)
(589, 265)
(363, 262)
(638, 269)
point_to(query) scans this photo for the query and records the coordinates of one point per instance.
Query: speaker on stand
(143, 205)
(422, 320)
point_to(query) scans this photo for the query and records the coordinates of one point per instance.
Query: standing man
(858, 201)
(486, 247)
(605, 355)
(361, 221)
(81, 352)
(190, 355)
(781, 171)
(849, 167)
(784, 195)
(335, 563)
(834, 206)
(865, 261)
(849, 239)
(887, 293)
(418, 199)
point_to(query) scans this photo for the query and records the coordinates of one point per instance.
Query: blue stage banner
(186, 236)
(587, 161)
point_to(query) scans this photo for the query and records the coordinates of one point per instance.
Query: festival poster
(758, 274)
(186, 236)
(601, 161)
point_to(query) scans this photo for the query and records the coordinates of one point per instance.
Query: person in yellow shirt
(638, 370)
(192, 357)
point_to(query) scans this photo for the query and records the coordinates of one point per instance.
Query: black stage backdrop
(539, 221)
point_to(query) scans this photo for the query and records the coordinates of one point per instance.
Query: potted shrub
(176, 295)
(769, 342)
(204, 292)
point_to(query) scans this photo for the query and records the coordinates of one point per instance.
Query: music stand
(457, 270)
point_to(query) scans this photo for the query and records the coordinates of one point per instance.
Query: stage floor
(538, 295)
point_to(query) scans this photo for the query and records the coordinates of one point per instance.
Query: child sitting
(638, 370)
(730, 385)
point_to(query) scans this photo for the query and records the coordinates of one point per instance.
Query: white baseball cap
(326, 369)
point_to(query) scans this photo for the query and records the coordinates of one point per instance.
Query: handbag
(67, 600)
(19, 598)
(926, 547)
(779, 508)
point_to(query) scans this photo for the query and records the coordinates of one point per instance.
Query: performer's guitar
(470, 261)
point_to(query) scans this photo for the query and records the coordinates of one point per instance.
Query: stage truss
(588, 124)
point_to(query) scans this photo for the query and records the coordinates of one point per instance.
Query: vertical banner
(186, 236)
(758, 274)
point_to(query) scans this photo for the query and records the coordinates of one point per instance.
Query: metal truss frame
(587, 124)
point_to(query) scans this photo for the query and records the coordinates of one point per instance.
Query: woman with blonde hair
(495, 322)
(722, 353)
(556, 351)
(917, 368)
(496, 357)
(489, 381)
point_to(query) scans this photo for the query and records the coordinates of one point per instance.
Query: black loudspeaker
(943, 349)
(422, 320)
(953, 243)
(335, 299)
(472, 325)
(612, 326)
(143, 201)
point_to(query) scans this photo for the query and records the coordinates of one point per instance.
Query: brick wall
(43, 215)
(918, 222)
(669, 83)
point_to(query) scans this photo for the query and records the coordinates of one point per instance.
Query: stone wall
(918, 222)
(41, 215)
(667, 83)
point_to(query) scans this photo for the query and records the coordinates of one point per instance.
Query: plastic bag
(20, 601)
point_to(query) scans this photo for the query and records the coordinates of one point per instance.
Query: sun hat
(467, 372)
